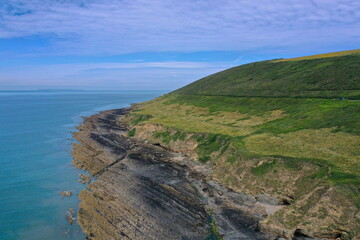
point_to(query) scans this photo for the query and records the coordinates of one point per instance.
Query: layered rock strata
(143, 191)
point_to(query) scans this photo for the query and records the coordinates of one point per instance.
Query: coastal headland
(143, 191)
(266, 150)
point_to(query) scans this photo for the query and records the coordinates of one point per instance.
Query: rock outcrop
(143, 191)
(66, 194)
(84, 179)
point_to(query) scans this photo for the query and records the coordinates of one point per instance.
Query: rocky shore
(143, 191)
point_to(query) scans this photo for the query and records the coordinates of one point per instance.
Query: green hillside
(332, 76)
(288, 128)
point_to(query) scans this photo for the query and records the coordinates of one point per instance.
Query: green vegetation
(132, 132)
(335, 75)
(344, 178)
(211, 143)
(167, 136)
(310, 128)
(213, 231)
(291, 127)
(300, 113)
(261, 122)
(263, 168)
(138, 118)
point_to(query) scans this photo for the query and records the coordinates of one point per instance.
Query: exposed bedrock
(143, 191)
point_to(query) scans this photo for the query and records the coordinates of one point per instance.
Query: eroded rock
(66, 194)
(84, 179)
(70, 216)
(143, 191)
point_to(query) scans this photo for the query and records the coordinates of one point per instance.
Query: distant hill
(329, 75)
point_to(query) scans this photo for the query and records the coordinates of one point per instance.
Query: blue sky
(160, 44)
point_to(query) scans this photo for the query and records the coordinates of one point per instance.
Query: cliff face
(143, 191)
(136, 195)
(302, 203)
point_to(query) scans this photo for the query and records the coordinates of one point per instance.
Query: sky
(160, 44)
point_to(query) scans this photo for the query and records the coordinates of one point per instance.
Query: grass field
(321, 129)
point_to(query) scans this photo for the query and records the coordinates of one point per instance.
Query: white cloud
(121, 26)
(142, 75)
(113, 27)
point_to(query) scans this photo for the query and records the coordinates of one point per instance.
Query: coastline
(143, 191)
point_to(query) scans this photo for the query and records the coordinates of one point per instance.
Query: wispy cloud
(142, 75)
(121, 26)
(187, 65)
(37, 35)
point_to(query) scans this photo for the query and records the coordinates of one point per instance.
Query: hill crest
(332, 75)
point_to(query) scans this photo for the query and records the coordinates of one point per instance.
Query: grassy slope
(281, 109)
(330, 77)
(322, 129)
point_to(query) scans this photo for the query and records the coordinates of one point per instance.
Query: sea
(35, 158)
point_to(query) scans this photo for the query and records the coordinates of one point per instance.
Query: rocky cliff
(259, 151)
(143, 191)
(302, 204)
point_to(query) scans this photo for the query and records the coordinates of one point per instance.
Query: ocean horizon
(35, 144)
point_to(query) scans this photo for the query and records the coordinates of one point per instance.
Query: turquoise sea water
(35, 161)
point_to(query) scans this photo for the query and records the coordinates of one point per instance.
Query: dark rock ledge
(142, 191)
